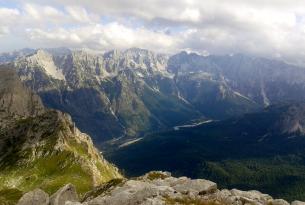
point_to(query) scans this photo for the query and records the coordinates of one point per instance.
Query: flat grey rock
(199, 186)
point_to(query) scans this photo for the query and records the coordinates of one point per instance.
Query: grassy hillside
(48, 152)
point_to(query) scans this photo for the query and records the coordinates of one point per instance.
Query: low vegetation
(156, 175)
(186, 200)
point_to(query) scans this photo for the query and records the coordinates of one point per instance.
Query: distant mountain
(132, 92)
(212, 96)
(128, 92)
(108, 96)
(256, 151)
(262, 80)
(41, 147)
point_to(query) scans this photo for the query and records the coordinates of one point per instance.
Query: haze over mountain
(126, 93)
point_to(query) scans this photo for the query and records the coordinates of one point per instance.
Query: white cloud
(274, 28)
(104, 37)
(6, 12)
(8, 16)
(32, 12)
(81, 15)
(190, 15)
(4, 30)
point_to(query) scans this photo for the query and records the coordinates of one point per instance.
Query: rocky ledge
(154, 188)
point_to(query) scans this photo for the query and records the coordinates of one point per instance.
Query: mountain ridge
(104, 79)
(42, 147)
(136, 72)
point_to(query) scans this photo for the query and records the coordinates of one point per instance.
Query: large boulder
(252, 195)
(35, 197)
(297, 203)
(196, 186)
(224, 197)
(133, 192)
(63, 195)
(156, 188)
(279, 202)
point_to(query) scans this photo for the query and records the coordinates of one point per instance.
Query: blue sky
(274, 28)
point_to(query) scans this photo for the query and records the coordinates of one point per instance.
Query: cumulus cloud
(3, 31)
(105, 37)
(8, 16)
(80, 14)
(274, 28)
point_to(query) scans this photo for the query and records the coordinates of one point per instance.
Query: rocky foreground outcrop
(155, 188)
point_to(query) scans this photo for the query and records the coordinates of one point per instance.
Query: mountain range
(136, 91)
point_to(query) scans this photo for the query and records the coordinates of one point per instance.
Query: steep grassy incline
(47, 151)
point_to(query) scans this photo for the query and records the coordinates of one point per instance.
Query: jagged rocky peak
(146, 59)
(184, 63)
(158, 188)
(139, 52)
(40, 60)
(136, 58)
(112, 54)
(89, 63)
(81, 66)
(60, 51)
